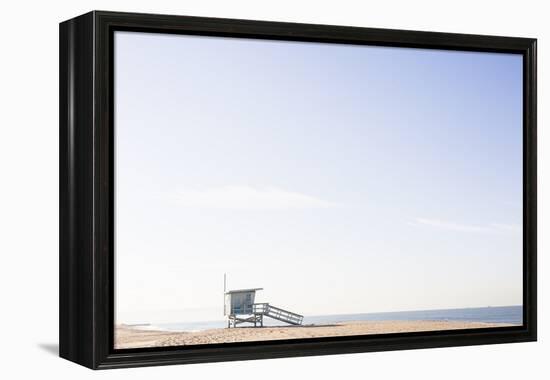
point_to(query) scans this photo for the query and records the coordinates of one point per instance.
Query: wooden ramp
(265, 309)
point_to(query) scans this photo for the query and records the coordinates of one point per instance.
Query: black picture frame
(86, 180)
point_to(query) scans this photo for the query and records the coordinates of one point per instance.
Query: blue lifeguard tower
(240, 307)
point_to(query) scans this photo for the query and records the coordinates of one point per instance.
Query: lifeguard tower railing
(243, 309)
(277, 313)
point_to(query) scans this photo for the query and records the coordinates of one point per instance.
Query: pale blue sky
(340, 178)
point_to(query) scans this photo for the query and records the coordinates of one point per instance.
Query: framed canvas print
(235, 189)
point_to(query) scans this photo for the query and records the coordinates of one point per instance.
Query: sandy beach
(131, 337)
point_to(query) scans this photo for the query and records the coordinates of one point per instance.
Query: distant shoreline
(127, 336)
(494, 314)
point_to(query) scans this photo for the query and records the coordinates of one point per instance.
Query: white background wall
(29, 187)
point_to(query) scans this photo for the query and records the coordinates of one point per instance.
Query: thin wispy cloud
(459, 227)
(507, 227)
(249, 198)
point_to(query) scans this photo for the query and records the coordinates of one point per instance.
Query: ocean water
(501, 314)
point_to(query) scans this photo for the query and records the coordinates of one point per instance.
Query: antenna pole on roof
(224, 290)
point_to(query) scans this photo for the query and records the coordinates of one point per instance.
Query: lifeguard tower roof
(243, 290)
